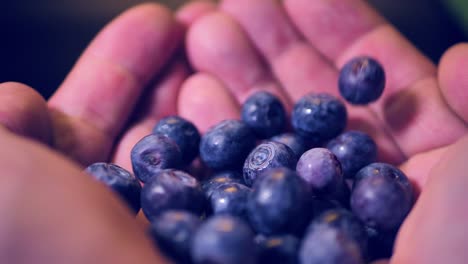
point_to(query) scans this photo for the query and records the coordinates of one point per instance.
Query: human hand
(235, 69)
(293, 47)
(126, 79)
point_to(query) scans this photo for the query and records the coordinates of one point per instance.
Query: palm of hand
(288, 50)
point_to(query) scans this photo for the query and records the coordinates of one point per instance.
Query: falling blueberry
(264, 114)
(183, 132)
(361, 80)
(119, 180)
(152, 154)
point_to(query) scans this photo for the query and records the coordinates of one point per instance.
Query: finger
(299, 67)
(47, 219)
(193, 10)
(453, 79)
(217, 45)
(206, 101)
(105, 84)
(419, 166)
(435, 231)
(159, 101)
(24, 112)
(411, 104)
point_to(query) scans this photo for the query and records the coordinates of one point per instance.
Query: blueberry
(380, 243)
(173, 231)
(322, 205)
(320, 168)
(172, 190)
(226, 145)
(319, 117)
(266, 156)
(264, 114)
(119, 180)
(280, 202)
(152, 154)
(324, 244)
(279, 250)
(354, 150)
(183, 132)
(382, 196)
(361, 80)
(297, 144)
(224, 239)
(230, 198)
(219, 179)
(347, 222)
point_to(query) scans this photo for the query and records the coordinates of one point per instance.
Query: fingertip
(204, 100)
(24, 111)
(453, 79)
(194, 10)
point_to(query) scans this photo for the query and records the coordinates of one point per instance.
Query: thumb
(435, 231)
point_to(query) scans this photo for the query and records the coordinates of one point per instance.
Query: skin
(98, 114)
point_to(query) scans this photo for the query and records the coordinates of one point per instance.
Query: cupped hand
(294, 47)
(128, 78)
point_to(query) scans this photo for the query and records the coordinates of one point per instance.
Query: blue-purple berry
(154, 153)
(282, 249)
(264, 114)
(224, 239)
(183, 132)
(226, 145)
(172, 190)
(119, 180)
(319, 117)
(229, 198)
(354, 150)
(296, 143)
(361, 80)
(267, 156)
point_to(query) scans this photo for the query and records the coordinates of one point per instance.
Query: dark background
(41, 39)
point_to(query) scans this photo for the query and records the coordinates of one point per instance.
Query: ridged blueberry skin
(154, 153)
(267, 156)
(172, 190)
(224, 239)
(280, 202)
(344, 220)
(229, 198)
(282, 249)
(354, 150)
(319, 117)
(264, 114)
(172, 232)
(220, 178)
(183, 132)
(324, 244)
(226, 145)
(119, 180)
(382, 196)
(297, 144)
(320, 168)
(361, 80)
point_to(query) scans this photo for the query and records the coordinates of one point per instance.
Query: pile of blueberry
(315, 195)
